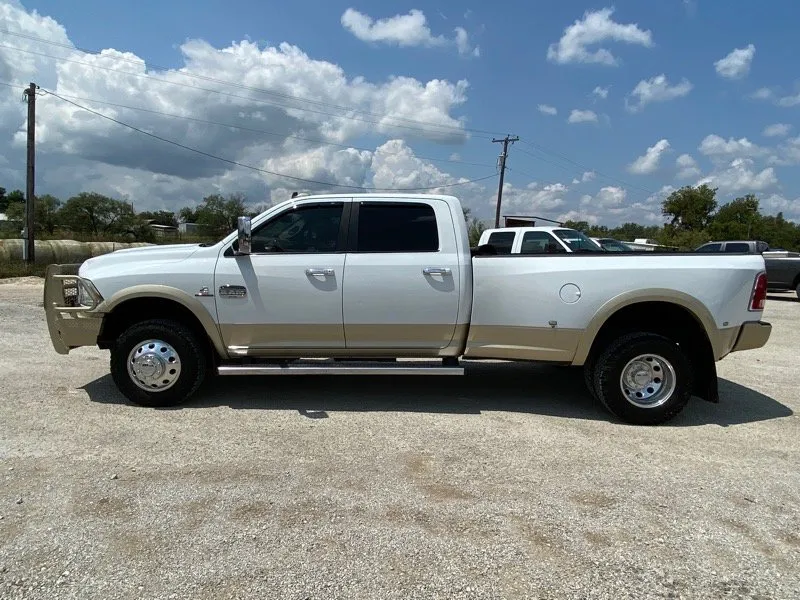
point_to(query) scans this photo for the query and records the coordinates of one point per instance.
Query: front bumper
(753, 334)
(69, 324)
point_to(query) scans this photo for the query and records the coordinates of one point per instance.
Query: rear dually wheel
(643, 378)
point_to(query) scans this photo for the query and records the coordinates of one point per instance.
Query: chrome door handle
(436, 271)
(325, 272)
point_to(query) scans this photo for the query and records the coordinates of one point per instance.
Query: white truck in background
(539, 239)
(347, 284)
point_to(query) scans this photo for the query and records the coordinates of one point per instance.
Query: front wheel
(158, 362)
(643, 378)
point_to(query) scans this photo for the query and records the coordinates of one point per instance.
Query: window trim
(355, 211)
(341, 241)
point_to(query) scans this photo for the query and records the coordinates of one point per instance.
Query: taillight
(759, 297)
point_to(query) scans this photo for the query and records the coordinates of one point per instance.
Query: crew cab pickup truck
(348, 284)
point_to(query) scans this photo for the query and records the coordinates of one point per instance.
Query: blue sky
(715, 115)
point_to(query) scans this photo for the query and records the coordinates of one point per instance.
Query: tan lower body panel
(752, 335)
(522, 343)
(382, 340)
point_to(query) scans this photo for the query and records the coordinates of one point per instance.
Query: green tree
(93, 213)
(631, 231)
(14, 204)
(187, 215)
(737, 220)
(582, 226)
(474, 226)
(691, 208)
(219, 214)
(3, 200)
(45, 212)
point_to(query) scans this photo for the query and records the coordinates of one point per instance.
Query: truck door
(286, 294)
(402, 276)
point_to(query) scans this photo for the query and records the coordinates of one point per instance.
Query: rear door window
(397, 227)
(540, 242)
(502, 241)
(737, 247)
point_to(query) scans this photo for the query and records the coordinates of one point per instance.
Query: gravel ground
(507, 483)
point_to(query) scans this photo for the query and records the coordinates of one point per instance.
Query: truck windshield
(576, 241)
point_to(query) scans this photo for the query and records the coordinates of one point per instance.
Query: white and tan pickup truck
(349, 284)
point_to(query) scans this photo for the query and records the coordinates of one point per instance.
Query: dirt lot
(507, 483)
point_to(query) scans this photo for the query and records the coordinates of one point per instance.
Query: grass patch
(18, 268)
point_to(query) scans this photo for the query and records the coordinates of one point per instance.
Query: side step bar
(340, 368)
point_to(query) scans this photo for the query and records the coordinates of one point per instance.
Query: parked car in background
(783, 267)
(735, 247)
(612, 245)
(545, 239)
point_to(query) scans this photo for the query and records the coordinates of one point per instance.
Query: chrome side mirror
(245, 237)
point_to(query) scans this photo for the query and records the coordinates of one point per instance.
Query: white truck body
(348, 293)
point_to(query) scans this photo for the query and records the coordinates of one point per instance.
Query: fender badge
(232, 291)
(204, 291)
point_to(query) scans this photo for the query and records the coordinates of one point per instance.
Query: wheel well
(674, 322)
(141, 309)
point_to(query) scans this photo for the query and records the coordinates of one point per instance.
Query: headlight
(87, 294)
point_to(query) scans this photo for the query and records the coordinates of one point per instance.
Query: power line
(584, 167)
(239, 164)
(444, 128)
(255, 130)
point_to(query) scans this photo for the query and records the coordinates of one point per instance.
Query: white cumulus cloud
(740, 176)
(403, 30)
(294, 115)
(547, 109)
(777, 130)
(657, 89)
(736, 64)
(534, 198)
(718, 147)
(649, 161)
(595, 28)
(687, 166)
(582, 116)
(600, 92)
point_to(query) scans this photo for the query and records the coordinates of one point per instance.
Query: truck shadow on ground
(783, 298)
(513, 387)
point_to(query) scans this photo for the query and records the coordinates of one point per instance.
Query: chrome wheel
(154, 365)
(648, 380)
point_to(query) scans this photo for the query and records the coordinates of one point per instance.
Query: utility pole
(29, 246)
(506, 140)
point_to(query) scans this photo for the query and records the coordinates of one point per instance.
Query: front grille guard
(61, 288)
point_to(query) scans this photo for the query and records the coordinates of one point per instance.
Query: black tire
(193, 362)
(608, 371)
